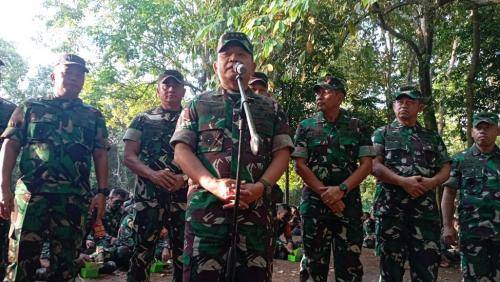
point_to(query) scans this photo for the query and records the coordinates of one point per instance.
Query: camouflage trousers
(345, 235)
(480, 260)
(4, 246)
(417, 240)
(58, 218)
(207, 247)
(149, 219)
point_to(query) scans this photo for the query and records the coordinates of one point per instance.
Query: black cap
(330, 82)
(238, 38)
(259, 76)
(171, 74)
(72, 59)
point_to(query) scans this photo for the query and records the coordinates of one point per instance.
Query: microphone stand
(255, 143)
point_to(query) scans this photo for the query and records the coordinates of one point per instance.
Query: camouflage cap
(490, 118)
(72, 59)
(171, 74)
(330, 82)
(408, 91)
(238, 38)
(259, 76)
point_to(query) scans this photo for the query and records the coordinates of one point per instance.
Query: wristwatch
(343, 187)
(105, 191)
(267, 187)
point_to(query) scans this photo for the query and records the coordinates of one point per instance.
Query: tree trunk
(388, 55)
(424, 79)
(471, 76)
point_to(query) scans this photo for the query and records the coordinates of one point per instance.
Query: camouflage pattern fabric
(407, 227)
(476, 175)
(209, 126)
(64, 216)
(58, 137)
(126, 233)
(6, 109)
(331, 151)
(155, 207)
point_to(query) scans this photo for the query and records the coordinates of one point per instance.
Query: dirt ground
(285, 271)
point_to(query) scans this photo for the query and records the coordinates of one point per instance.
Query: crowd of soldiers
(185, 160)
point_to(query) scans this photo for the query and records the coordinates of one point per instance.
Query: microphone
(239, 68)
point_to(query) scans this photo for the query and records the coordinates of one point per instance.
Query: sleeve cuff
(452, 182)
(132, 134)
(300, 152)
(281, 141)
(185, 136)
(366, 151)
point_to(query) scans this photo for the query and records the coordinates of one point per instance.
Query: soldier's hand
(99, 203)
(179, 182)
(449, 235)
(428, 183)
(331, 195)
(337, 207)
(163, 178)
(6, 204)
(166, 254)
(250, 192)
(413, 186)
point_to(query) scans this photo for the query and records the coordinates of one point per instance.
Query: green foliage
(12, 73)
(295, 41)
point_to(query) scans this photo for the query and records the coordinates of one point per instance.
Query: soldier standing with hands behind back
(58, 137)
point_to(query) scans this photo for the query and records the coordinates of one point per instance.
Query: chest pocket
(211, 140)
(472, 181)
(85, 132)
(157, 138)
(42, 128)
(427, 155)
(396, 152)
(349, 146)
(318, 147)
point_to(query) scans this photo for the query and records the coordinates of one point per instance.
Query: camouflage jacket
(6, 109)
(477, 178)
(58, 137)
(209, 126)
(331, 150)
(126, 232)
(408, 151)
(153, 129)
(112, 220)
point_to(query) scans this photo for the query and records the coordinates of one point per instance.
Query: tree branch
(392, 31)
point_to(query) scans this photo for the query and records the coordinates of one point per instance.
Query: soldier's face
(329, 99)
(68, 79)
(224, 66)
(407, 108)
(485, 134)
(170, 93)
(260, 88)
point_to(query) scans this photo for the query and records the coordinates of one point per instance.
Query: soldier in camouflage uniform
(259, 84)
(476, 175)
(206, 145)
(160, 190)
(6, 109)
(328, 147)
(411, 161)
(114, 211)
(59, 138)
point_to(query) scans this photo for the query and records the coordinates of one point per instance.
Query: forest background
(449, 49)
